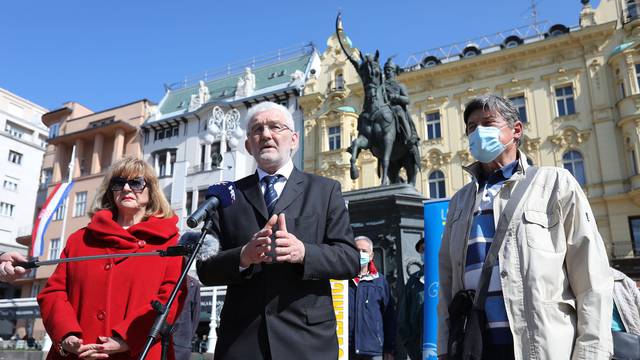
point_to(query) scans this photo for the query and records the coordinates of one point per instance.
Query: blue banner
(435, 215)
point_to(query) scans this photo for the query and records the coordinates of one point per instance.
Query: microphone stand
(161, 329)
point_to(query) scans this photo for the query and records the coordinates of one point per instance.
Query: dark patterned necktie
(270, 194)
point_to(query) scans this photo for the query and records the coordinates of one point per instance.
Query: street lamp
(223, 127)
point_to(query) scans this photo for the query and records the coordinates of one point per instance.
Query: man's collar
(285, 171)
(521, 165)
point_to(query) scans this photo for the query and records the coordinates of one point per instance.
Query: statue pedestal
(393, 218)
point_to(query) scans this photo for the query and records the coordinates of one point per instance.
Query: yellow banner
(340, 294)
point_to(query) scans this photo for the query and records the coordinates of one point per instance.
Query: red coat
(107, 297)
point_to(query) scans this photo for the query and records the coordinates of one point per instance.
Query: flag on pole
(54, 201)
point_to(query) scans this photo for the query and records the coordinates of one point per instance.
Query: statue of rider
(398, 98)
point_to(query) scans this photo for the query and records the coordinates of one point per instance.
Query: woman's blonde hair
(130, 167)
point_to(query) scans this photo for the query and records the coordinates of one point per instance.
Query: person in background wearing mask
(550, 291)
(372, 318)
(411, 309)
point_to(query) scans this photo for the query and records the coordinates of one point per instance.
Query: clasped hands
(288, 248)
(109, 345)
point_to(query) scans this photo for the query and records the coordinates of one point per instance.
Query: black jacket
(282, 309)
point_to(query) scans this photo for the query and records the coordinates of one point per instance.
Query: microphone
(208, 249)
(218, 195)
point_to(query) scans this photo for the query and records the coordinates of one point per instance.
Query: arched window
(437, 185)
(572, 161)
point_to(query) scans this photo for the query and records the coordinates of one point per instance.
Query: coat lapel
(254, 195)
(291, 191)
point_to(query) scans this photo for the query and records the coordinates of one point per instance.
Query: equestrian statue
(384, 125)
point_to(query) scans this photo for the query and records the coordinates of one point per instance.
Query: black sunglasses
(136, 185)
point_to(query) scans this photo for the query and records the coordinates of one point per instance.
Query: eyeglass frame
(274, 128)
(122, 181)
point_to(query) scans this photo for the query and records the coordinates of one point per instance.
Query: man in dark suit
(285, 236)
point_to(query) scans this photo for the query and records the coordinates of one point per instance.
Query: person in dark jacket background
(187, 322)
(372, 318)
(410, 310)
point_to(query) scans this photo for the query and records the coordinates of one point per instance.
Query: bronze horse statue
(378, 127)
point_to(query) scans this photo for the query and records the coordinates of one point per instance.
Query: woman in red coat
(101, 308)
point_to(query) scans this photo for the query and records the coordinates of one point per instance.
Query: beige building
(99, 138)
(578, 90)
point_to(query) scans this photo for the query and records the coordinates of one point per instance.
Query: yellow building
(578, 90)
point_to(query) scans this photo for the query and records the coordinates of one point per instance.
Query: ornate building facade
(577, 90)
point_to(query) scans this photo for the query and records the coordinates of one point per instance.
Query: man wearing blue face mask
(543, 289)
(372, 318)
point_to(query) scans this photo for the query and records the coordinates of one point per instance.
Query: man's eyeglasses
(257, 130)
(136, 185)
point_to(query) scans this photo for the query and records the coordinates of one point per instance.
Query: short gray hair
(266, 106)
(493, 103)
(364, 238)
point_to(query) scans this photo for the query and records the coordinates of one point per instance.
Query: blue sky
(108, 53)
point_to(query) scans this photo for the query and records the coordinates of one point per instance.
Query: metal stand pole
(161, 329)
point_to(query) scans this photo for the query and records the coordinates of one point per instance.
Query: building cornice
(505, 56)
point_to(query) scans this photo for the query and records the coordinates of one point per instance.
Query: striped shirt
(483, 229)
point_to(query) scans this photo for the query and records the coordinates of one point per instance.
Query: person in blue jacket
(372, 318)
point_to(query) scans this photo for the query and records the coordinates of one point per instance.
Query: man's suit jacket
(283, 310)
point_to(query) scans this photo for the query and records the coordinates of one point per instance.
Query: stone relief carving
(570, 138)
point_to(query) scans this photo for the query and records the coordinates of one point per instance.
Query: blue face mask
(364, 258)
(485, 145)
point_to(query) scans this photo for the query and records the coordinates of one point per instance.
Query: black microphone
(218, 195)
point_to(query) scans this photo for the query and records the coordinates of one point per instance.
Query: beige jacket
(627, 299)
(556, 281)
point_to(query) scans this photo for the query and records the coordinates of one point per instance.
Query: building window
(165, 168)
(15, 157)
(638, 74)
(634, 163)
(437, 185)
(80, 208)
(433, 126)
(10, 185)
(334, 138)
(35, 288)
(54, 249)
(53, 130)
(6, 209)
(634, 228)
(166, 133)
(521, 106)
(59, 214)
(202, 196)
(572, 161)
(15, 131)
(339, 81)
(45, 177)
(189, 202)
(564, 101)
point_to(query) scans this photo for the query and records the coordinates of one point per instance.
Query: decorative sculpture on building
(203, 93)
(384, 125)
(246, 84)
(197, 100)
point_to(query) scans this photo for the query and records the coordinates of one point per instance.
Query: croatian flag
(54, 201)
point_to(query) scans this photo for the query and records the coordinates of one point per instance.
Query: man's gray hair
(493, 103)
(266, 106)
(364, 238)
